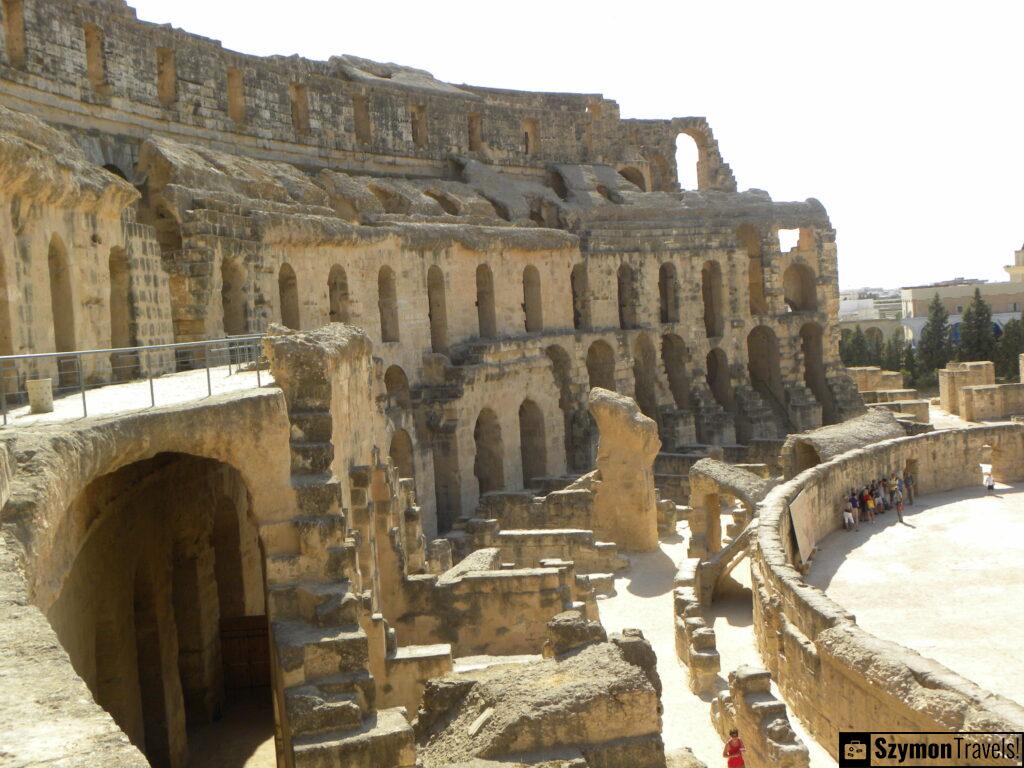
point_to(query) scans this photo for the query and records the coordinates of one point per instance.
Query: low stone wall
(958, 375)
(833, 674)
(992, 401)
(916, 409)
(870, 378)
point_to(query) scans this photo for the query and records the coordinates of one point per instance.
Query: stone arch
(396, 384)
(485, 311)
(532, 444)
(811, 342)
(401, 453)
(339, 300)
(668, 293)
(764, 366)
(661, 177)
(288, 294)
(233, 280)
(437, 311)
(489, 464)
(628, 296)
(688, 161)
(799, 288)
(675, 357)
(711, 294)
(750, 240)
(533, 308)
(718, 378)
(167, 560)
(580, 302)
(645, 375)
(601, 365)
(634, 176)
(561, 370)
(387, 304)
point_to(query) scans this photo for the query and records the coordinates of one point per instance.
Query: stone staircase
(318, 606)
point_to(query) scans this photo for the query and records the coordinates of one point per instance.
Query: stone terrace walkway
(947, 584)
(169, 389)
(644, 601)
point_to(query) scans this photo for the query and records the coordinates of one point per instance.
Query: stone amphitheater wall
(833, 674)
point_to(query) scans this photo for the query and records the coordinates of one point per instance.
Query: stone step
(318, 533)
(310, 458)
(312, 710)
(310, 426)
(306, 652)
(383, 740)
(325, 605)
(329, 565)
(318, 494)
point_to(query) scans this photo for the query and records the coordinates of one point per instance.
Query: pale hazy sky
(906, 119)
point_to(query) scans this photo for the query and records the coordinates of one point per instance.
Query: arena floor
(948, 584)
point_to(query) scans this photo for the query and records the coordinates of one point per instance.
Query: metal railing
(80, 371)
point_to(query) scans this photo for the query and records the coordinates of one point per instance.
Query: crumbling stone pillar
(625, 506)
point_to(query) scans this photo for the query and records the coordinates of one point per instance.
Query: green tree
(858, 348)
(910, 368)
(935, 349)
(875, 345)
(892, 355)
(977, 340)
(845, 336)
(1008, 350)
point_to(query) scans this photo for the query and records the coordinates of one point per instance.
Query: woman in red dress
(734, 750)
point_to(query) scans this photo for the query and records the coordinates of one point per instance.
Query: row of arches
(489, 461)
(800, 295)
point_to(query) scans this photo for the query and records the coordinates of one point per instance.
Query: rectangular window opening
(361, 116)
(531, 137)
(236, 95)
(95, 58)
(166, 76)
(476, 142)
(419, 125)
(14, 31)
(300, 108)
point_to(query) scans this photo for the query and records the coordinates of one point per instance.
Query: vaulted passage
(799, 288)
(814, 370)
(533, 308)
(387, 304)
(163, 611)
(401, 454)
(338, 295)
(718, 378)
(487, 322)
(561, 370)
(488, 467)
(676, 357)
(233, 279)
(634, 176)
(764, 367)
(601, 366)
(628, 297)
(580, 303)
(668, 293)
(711, 293)
(124, 364)
(532, 445)
(396, 383)
(288, 294)
(437, 310)
(645, 363)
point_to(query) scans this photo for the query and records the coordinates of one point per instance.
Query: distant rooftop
(949, 283)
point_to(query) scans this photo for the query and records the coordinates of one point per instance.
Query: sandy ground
(170, 389)
(644, 601)
(243, 738)
(945, 584)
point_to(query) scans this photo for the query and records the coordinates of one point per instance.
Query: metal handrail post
(81, 384)
(149, 375)
(3, 392)
(209, 386)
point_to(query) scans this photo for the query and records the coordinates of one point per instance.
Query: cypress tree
(935, 349)
(977, 339)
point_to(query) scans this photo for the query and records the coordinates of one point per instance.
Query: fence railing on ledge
(104, 381)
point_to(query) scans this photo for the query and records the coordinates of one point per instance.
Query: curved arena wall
(835, 675)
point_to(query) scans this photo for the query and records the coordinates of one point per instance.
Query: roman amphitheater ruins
(400, 423)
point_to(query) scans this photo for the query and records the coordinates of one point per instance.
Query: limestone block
(40, 395)
(568, 631)
(625, 504)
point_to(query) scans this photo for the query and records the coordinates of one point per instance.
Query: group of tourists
(876, 497)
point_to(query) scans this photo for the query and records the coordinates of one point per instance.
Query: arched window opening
(711, 293)
(750, 240)
(488, 467)
(580, 304)
(448, 203)
(718, 378)
(814, 370)
(601, 366)
(645, 364)
(799, 288)
(387, 304)
(533, 310)
(396, 384)
(634, 176)
(485, 311)
(288, 293)
(675, 357)
(668, 293)
(687, 162)
(533, 447)
(338, 295)
(401, 454)
(628, 297)
(437, 312)
(561, 370)
(763, 365)
(233, 278)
